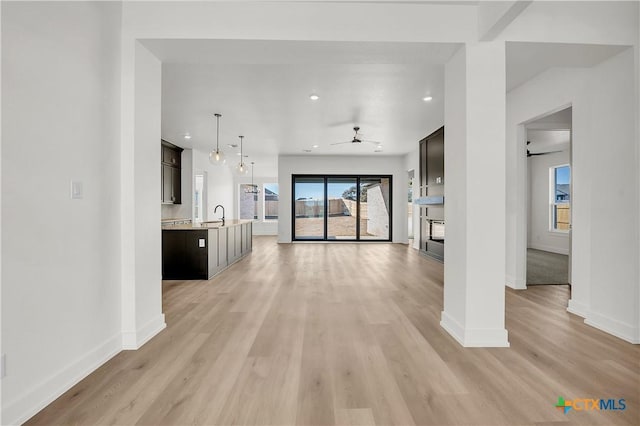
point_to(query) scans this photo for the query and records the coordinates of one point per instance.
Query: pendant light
(253, 188)
(216, 157)
(241, 168)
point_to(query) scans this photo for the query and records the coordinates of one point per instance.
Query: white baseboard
(474, 337)
(614, 327)
(25, 406)
(515, 283)
(551, 249)
(453, 327)
(135, 339)
(578, 308)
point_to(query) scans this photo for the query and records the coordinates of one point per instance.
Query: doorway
(549, 181)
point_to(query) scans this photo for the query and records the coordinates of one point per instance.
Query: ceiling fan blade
(370, 141)
(340, 143)
(531, 154)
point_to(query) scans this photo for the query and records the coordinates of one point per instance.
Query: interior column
(474, 270)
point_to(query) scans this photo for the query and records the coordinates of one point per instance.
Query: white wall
(60, 264)
(614, 170)
(184, 210)
(604, 250)
(455, 207)
(388, 165)
(539, 236)
(147, 297)
(475, 195)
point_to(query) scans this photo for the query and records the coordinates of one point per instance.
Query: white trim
(577, 308)
(515, 283)
(35, 399)
(453, 327)
(614, 327)
(135, 339)
(486, 338)
(559, 231)
(550, 249)
(474, 337)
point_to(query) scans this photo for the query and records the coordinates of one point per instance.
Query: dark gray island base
(200, 251)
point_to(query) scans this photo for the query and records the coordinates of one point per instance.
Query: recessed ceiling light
(314, 97)
(187, 136)
(315, 146)
(306, 150)
(427, 98)
(232, 145)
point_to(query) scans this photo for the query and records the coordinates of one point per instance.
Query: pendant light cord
(218, 132)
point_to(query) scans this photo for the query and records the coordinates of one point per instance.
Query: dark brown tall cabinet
(171, 170)
(431, 198)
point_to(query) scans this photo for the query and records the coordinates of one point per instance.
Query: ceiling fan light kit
(216, 157)
(533, 154)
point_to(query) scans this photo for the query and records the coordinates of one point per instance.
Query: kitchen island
(199, 251)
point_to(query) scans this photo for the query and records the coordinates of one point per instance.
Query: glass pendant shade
(242, 169)
(216, 156)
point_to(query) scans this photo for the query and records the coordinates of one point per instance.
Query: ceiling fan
(358, 138)
(531, 154)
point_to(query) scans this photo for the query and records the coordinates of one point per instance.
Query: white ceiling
(526, 60)
(262, 90)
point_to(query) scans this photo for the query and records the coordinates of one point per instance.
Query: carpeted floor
(544, 267)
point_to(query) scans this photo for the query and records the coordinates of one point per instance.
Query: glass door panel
(375, 204)
(309, 208)
(341, 208)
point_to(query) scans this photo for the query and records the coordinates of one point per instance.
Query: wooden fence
(270, 208)
(336, 207)
(563, 216)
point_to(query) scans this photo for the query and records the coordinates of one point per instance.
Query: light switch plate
(76, 190)
(201, 242)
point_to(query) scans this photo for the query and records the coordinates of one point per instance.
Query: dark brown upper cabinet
(171, 171)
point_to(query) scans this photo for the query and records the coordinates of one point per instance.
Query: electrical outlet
(3, 366)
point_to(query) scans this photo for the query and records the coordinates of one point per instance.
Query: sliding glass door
(341, 208)
(375, 208)
(308, 208)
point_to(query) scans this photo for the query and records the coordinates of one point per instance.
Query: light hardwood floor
(349, 334)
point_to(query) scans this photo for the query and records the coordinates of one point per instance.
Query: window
(341, 208)
(270, 200)
(248, 202)
(560, 195)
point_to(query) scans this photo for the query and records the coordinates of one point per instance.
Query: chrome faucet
(216, 209)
